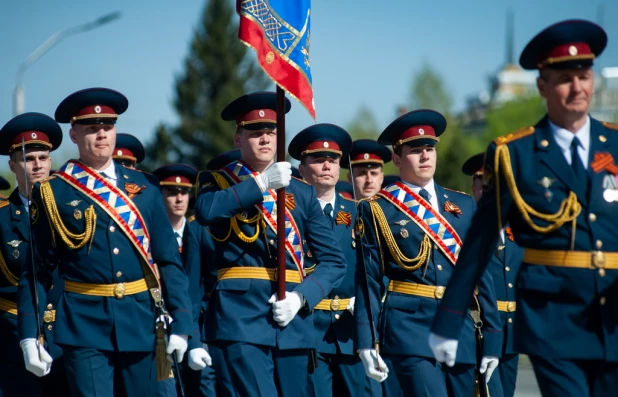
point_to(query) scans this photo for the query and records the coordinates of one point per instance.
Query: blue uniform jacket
(15, 229)
(404, 320)
(238, 309)
(562, 313)
(503, 268)
(335, 330)
(106, 323)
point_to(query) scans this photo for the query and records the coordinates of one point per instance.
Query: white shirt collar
(181, 231)
(331, 202)
(110, 172)
(564, 138)
(431, 189)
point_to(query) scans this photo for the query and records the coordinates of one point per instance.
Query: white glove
(350, 307)
(176, 343)
(444, 350)
(488, 363)
(276, 176)
(199, 359)
(285, 310)
(375, 367)
(37, 360)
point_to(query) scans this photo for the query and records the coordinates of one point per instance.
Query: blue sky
(363, 52)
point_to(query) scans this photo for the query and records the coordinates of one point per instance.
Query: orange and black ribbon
(452, 208)
(290, 204)
(343, 218)
(509, 234)
(604, 161)
(133, 189)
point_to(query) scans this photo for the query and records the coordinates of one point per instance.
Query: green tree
(218, 69)
(513, 115)
(429, 91)
(363, 125)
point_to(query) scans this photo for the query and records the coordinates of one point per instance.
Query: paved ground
(526, 382)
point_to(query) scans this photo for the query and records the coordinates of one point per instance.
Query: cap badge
(261, 113)
(366, 156)
(572, 50)
(177, 179)
(33, 135)
(119, 152)
(421, 131)
(97, 109)
(325, 144)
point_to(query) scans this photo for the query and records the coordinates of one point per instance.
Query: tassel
(164, 367)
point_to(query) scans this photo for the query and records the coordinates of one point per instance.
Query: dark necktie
(577, 165)
(424, 194)
(328, 211)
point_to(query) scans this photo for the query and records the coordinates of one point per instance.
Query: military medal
(402, 222)
(15, 244)
(404, 233)
(546, 182)
(77, 214)
(74, 203)
(610, 195)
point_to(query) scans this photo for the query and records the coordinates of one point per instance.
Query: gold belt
(427, 291)
(49, 316)
(8, 306)
(333, 304)
(505, 306)
(573, 259)
(259, 273)
(116, 290)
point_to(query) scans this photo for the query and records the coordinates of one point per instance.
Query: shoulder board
(457, 191)
(611, 126)
(4, 202)
(49, 178)
(372, 198)
(348, 199)
(514, 136)
(300, 180)
(191, 218)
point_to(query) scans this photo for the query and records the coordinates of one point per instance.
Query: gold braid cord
(258, 219)
(10, 277)
(568, 212)
(403, 261)
(72, 240)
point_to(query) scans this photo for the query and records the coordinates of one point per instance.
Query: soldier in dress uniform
(503, 269)
(101, 225)
(265, 342)
(176, 183)
(411, 233)
(339, 371)
(555, 185)
(366, 163)
(39, 135)
(129, 151)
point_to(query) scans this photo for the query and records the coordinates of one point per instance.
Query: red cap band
(566, 52)
(256, 116)
(415, 132)
(176, 180)
(30, 138)
(321, 146)
(124, 153)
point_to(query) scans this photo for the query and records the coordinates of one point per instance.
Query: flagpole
(281, 253)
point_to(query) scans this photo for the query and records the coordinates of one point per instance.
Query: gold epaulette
(347, 198)
(4, 202)
(514, 136)
(300, 180)
(191, 218)
(457, 191)
(611, 126)
(370, 199)
(49, 178)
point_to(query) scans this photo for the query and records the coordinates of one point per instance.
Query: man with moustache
(35, 135)
(101, 225)
(555, 184)
(366, 163)
(266, 342)
(410, 233)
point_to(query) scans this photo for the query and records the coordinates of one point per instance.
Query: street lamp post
(19, 100)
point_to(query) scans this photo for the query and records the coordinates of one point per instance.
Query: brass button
(510, 321)
(118, 274)
(599, 244)
(602, 300)
(439, 293)
(49, 327)
(601, 272)
(49, 316)
(511, 307)
(337, 316)
(17, 212)
(271, 242)
(592, 217)
(335, 304)
(119, 290)
(439, 267)
(112, 229)
(510, 285)
(116, 251)
(598, 259)
(51, 286)
(50, 306)
(508, 269)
